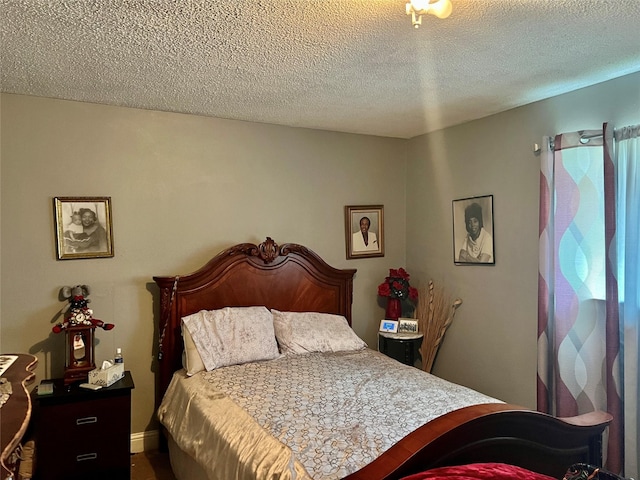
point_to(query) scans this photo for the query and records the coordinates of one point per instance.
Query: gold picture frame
(407, 325)
(83, 227)
(357, 245)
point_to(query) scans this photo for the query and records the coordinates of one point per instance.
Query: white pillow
(232, 335)
(303, 332)
(191, 360)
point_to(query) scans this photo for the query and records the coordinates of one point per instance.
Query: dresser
(84, 434)
(16, 373)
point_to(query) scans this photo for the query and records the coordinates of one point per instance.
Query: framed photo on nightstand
(407, 325)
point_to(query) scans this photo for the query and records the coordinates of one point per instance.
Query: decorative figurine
(79, 326)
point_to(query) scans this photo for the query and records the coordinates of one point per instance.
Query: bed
(290, 281)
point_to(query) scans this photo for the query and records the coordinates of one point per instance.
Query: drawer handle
(85, 420)
(86, 456)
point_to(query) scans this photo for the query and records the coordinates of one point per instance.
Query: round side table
(402, 347)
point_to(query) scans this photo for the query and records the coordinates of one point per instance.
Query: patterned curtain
(578, 372)
(623, 155)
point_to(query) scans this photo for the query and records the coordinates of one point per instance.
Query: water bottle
(118, 358)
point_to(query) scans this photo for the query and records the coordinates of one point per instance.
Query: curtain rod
(584, 139)
(618, 134)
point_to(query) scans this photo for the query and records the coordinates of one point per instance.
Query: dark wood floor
(152, 465)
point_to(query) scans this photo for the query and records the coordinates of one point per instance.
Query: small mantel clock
(79, 353)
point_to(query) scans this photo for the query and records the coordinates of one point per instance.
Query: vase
(394, 309)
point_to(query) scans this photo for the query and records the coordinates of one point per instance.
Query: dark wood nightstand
(402, 347)
(82, 434)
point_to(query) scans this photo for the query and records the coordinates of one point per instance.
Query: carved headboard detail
(289, 277)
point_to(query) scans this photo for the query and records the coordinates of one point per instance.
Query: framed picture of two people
(83, 227)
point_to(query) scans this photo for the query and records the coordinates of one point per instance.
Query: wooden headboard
(289, 277)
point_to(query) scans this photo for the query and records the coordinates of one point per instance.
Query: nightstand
(82, 434)
(402, 347)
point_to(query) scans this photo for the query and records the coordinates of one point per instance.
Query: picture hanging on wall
(364, 231)
(473, 224)
(83, 227)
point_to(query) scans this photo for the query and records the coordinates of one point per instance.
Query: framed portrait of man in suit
(364, 231)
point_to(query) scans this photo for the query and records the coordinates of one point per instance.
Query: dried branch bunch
(435, 311)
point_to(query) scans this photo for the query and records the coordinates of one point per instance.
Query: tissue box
(107, 376)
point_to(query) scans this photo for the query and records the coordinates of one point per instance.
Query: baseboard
(145, 441)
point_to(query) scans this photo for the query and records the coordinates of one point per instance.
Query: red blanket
(480, 471)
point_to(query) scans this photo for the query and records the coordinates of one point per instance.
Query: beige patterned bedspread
(325, 414)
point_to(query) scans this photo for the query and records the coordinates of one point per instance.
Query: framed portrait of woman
(83, 227)
(364, 231)
(473, 224)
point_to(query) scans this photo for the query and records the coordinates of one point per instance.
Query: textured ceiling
(345, 65)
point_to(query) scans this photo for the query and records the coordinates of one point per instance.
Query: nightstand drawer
(102, 416)
(83, 460)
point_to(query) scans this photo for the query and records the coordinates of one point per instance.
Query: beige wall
(183, 188)
(491, 344)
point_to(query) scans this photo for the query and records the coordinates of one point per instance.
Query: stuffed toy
(76, 312)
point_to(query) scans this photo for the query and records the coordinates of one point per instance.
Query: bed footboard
(494, 433)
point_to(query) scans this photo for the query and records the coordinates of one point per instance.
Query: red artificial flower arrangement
(396, 285)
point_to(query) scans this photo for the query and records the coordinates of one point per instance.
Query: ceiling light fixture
(417, 8)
